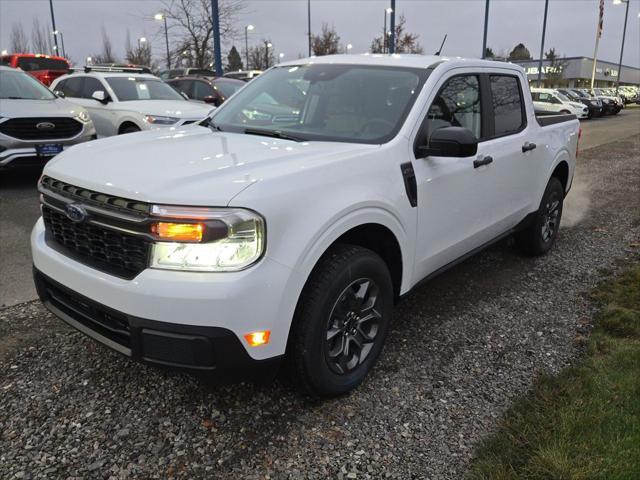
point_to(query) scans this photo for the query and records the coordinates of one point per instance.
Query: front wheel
(539, 236)
(341, 322)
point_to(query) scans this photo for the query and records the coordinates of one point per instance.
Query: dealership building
(576, 72)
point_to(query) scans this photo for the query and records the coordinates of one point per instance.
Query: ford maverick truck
(282, 229)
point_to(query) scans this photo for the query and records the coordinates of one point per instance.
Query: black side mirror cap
(449, 142)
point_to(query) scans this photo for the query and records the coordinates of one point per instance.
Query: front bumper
(262, 297)
(210, 350)
(22, 153)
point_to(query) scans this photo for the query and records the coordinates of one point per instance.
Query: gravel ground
(462, 347)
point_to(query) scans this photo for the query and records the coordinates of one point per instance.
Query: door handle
(528, 146)
(483, 161)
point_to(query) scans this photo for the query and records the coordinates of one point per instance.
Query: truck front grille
(50, 128)
(110, 251)
(90, 197)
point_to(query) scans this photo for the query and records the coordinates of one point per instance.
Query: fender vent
(410, 185)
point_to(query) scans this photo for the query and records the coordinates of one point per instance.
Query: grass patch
(583, 424)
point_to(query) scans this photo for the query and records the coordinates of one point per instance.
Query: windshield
(563, 97)
(349, 103)
(142, 88)
(21, 86)
(30, 64)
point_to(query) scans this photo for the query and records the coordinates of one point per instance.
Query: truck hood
(188, 165)
(57, 107)
(168, 108)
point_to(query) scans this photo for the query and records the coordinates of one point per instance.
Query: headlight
(157, 120)
(83, 116)
(210, 240)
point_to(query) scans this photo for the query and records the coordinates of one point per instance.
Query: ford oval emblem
(75, 213)
(45, 126)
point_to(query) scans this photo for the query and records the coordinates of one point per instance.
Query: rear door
(518, 162)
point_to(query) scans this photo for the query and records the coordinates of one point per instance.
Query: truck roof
(401, 60)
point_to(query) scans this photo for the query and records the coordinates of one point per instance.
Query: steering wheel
(376, 125)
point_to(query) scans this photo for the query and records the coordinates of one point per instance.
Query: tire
(349, 285)
(129, 129)
(538, 238)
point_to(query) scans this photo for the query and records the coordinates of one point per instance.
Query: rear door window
(508, 104)
(202, 90)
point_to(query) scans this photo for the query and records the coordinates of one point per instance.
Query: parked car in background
(45, 68)
(613, 103)
(241, 244)
(244, 75)
(181, 72)
(593, 104)
(213, 90)
(609, 106)
(35, 124)
(125, 101)
(548, 100)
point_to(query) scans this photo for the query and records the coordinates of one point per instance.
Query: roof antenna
(441, 45)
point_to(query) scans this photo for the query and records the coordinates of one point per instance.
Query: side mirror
(213, 100)
(59, 93)
(100, 96)
(449, 142)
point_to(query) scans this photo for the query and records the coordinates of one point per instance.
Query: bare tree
(554, 71)
(192, 27)
(261, 56)
(140, 54)
(40, 38)
(18, 41)
(405, 42)
(327, 43)
(106, 55)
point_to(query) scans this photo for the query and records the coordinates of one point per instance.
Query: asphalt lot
(461, 348)
(19, 202)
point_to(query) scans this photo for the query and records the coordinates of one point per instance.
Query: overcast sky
(571, 24)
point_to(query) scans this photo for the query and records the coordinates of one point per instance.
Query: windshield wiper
(274, 134)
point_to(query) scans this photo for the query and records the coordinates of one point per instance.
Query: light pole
(544, 30)
(486, 26)
(53, 24)
(58, 32)
(349, 47)
(246, 44)
(595, 49)
(624, 32)
(309, 24)
(392, 37)
(267, 46)
(387, 11)
(89, 60)
(280, 57)
(141, 40)
(162, 16)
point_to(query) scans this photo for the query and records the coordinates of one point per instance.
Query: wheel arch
(373, 228)
(127, 123)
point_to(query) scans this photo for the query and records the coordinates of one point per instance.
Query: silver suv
(35, 124)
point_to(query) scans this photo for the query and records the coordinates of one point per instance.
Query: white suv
(548, 100)
(125, 101)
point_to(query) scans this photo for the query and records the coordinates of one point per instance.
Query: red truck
(45, 68)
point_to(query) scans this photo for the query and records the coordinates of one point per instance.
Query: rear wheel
(539, 236)
(341, 322)
(566, 112)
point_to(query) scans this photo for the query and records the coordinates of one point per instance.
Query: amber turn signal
(255, 339)
(182, 232)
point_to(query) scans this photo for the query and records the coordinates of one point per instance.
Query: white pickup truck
(286, 226)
